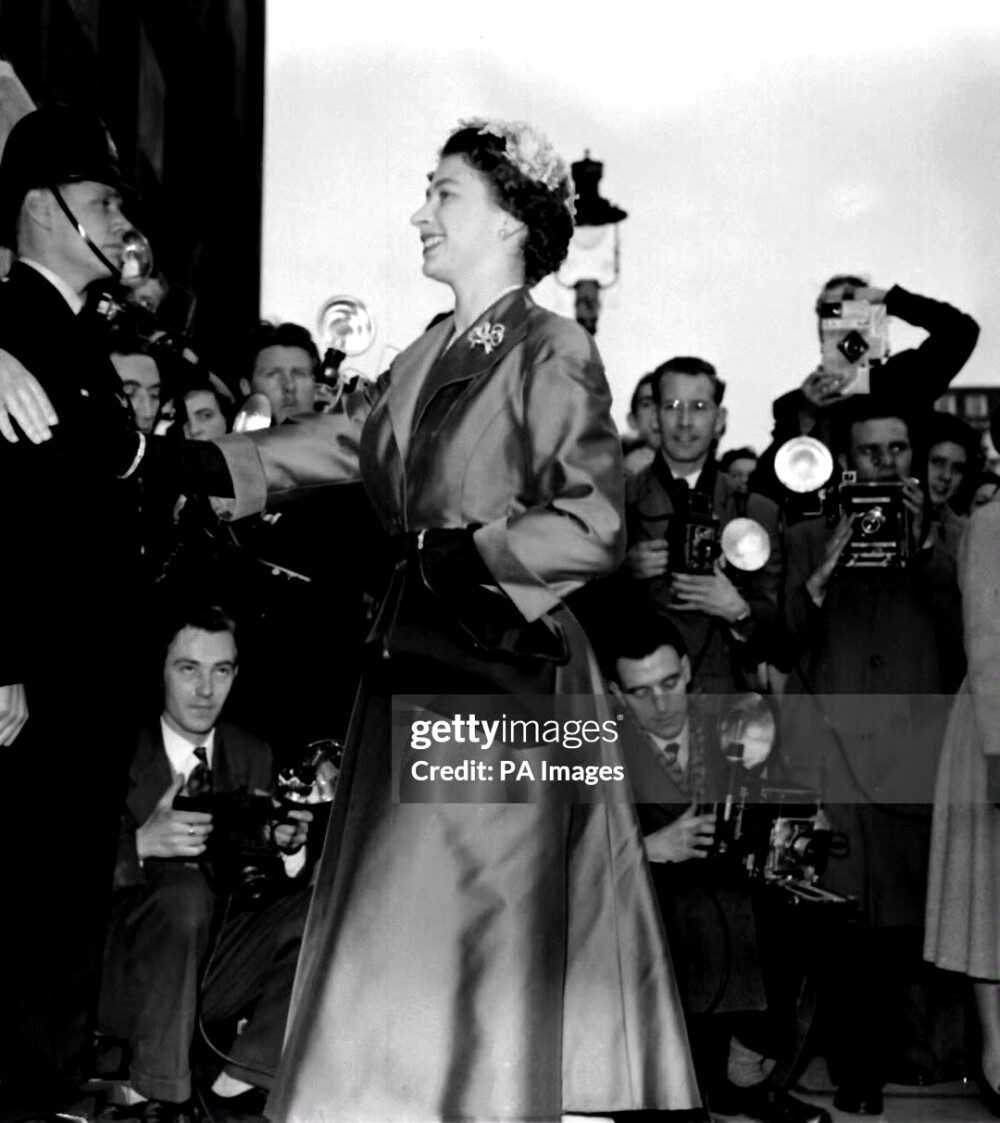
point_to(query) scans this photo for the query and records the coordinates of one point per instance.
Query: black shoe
(247, 1107)
(150, 1111)
(858, 1099)
(987, 1093)
(771, 1104)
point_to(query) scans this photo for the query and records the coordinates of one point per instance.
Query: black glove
(449, 558)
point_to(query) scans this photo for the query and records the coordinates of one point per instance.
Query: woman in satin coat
(498, 960)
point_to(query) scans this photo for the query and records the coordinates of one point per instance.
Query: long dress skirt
(478, 962)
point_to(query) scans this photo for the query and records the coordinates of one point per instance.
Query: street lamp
(592, 263)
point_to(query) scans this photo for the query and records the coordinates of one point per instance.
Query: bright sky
(758, 148)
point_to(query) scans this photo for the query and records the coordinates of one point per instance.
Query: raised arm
(274, 465)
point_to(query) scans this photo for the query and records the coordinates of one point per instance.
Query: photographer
(724, 615)
(675, 763)
(177, 859)
(870, 732)
(920, 374)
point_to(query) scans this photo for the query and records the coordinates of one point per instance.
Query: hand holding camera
(648, 559)
(171, 833)
(817, 585)
(690, 836)
(290, 834)
(713, 594)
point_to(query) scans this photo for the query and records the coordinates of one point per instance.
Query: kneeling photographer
(863, 718)
(207, 914)
(695, 802)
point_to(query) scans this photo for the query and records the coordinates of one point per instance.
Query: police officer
(70, 566)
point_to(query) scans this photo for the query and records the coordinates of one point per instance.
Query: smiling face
(461, 225)
(946, 465)
(198, 674)
(689, 419)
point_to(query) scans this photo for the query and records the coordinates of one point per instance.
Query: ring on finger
(191, 832)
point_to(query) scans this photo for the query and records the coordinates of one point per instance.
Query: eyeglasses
(675, 405)
(648, 691)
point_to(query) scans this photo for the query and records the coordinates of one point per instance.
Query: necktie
(199, 783)
(670, 752)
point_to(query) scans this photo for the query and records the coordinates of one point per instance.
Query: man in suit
(725, 616)
(675, 767)
(311, 585)
(70, 644)
(168, 951)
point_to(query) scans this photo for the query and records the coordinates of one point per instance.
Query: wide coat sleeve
(571, 527)
(288, 461)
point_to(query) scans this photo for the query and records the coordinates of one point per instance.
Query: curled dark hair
(267, 334)
(544, 213)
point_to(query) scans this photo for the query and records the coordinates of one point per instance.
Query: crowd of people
(775, 654)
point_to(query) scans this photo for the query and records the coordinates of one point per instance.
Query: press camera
(694, 541)
(854, 338)
(881, 523)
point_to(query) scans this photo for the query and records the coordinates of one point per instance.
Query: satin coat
(493, 961)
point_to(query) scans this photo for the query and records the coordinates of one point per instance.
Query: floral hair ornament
(531, 153)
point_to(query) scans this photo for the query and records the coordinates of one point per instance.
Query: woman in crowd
(963, 897)
(497, 960)
(954, 456)
(202, 412)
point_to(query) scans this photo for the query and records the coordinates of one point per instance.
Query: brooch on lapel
(487, 335)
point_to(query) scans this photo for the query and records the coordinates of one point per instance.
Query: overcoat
(495, 961)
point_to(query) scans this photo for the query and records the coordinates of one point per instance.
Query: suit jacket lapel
(150, 775)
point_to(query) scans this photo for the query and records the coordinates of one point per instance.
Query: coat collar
(422, 370)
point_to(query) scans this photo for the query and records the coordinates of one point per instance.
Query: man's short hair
(125, 341)
(851, 280)
(646, 380)
(267, 334)
(873, 407)
(636, 635)
(688, 364)
(727, 458)
(183, 614)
